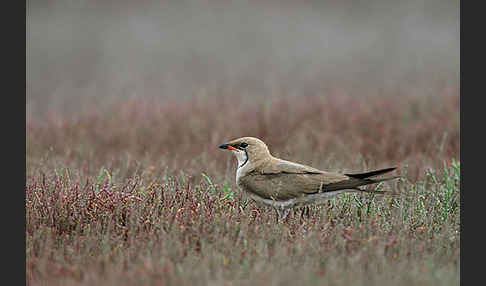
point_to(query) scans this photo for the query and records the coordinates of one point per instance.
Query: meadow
(136, 192)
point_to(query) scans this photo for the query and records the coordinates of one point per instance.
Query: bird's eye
(243, 145)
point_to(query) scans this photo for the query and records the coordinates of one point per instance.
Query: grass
(138, 193)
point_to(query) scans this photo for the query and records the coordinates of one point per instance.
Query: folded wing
(285, 180)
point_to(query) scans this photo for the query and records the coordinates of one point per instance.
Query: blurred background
(339, 85)
(84, 52)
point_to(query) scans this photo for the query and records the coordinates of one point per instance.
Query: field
(136, 192)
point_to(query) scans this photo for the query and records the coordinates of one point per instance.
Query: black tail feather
(353, 183)
(370, 174)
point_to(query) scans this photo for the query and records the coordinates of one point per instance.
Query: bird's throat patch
(245, 159)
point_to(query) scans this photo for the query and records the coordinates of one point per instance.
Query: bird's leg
(305, 212)
(282, 213)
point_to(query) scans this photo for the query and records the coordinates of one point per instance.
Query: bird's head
(247, 149)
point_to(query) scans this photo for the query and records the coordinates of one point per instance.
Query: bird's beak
(227, 146)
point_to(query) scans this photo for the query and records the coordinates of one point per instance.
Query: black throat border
(246, 153)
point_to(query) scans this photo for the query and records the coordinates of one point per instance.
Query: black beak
(223, 146)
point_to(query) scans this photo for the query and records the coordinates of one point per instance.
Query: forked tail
(370, 174)
(361, 179)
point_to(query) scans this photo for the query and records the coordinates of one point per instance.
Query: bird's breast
(239, 174)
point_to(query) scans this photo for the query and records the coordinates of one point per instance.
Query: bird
(284, 185)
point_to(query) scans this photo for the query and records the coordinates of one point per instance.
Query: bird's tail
(361, 179)
(370, 174)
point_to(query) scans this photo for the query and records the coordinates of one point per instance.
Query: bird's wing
(283, 180)
(278, 166)
(284, 186)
